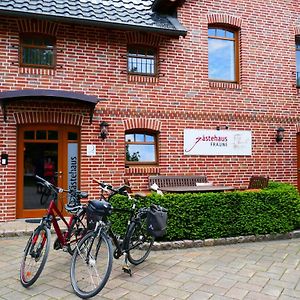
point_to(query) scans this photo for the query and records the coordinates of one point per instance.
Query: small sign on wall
(91, 150)
(217, 142)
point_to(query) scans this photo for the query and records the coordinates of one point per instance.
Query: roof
(119, 14)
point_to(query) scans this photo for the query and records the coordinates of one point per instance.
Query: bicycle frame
(52, 213)
(132, 218)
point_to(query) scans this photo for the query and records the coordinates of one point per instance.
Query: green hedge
(214, 215)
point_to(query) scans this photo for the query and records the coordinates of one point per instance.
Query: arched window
(37, 51)
(223, 59)
(141, 147)
(298, 60)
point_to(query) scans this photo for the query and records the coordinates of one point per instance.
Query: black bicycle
(91, 262)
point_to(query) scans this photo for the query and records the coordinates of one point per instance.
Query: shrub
(214, 215)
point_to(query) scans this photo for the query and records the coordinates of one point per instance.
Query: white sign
(72, 169)
(217, 142)
(91, 150)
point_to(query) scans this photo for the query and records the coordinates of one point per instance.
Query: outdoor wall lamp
(279, 134)
(103, 130)
(219, 127)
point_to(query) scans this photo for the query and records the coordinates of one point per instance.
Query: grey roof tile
(114, 13)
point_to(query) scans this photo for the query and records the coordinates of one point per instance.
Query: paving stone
(258, 296)
(154, 290)
(237, 293)
(272, 290)
(116, 293)
(200, 295)
(176, 293)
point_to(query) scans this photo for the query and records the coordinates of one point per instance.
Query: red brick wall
(92, 60)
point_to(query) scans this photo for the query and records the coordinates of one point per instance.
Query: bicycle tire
(139, 242)
(76, 232)
(88, 273)
(36, 251)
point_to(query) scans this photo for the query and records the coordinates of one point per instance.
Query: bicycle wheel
(77, 230)
(139, 242)
(91, 264)
(35, 255)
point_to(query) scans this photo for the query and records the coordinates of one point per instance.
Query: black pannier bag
(96, 210)
(157, 217)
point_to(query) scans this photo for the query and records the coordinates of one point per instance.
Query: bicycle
(91, 263)
(37, 248)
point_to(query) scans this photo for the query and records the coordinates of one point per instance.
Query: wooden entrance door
(51, 152)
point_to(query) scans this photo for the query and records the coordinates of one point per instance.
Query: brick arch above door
(49, 117)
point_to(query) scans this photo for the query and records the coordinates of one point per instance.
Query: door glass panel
(72, 136)
(29, 135)
(41, 135)
(39, 159)
(72, 169)
(52, 135)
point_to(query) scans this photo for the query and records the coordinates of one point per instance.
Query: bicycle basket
(157, 217)
(96, 210)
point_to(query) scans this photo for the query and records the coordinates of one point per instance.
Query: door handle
(58, 173)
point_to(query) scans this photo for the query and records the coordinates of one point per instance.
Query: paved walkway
(260, 270)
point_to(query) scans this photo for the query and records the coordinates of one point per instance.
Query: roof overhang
(181, 31)
(40, 94)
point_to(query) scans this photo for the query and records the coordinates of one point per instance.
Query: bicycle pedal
(127, 270)
(57, 245)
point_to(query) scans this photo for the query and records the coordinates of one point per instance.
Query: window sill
(142, 78)
(225, 85)
(36, 71)
(142, 170)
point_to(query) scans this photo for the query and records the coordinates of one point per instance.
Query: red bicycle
(37, 248)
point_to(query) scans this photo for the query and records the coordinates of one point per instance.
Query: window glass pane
(129, 137)
(27, 40)
(52, 135)
(72, 136)
(41, 135)
(140, 153)
(139, 137)
(230, 34)
(212, 31)
(149, 138)
(221, 59)
(220, 32)
(29, 135)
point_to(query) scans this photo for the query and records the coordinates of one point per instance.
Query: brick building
(186, 87)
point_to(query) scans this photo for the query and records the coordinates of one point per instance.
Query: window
(142, 60)
(298, 60)
(223, 54)
(37, 51)
(141, 148)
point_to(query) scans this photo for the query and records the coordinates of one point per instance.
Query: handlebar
(58, 190)
(122, 190)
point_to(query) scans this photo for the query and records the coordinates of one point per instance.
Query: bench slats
(166, 181)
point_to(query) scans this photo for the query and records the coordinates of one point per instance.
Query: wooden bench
(174, 181)
(258, 182)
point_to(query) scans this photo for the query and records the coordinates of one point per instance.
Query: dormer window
(37, 51)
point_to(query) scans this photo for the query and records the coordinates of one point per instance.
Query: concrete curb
(191, 243)
(224, 241)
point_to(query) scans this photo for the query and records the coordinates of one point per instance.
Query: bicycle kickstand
(126, 267)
